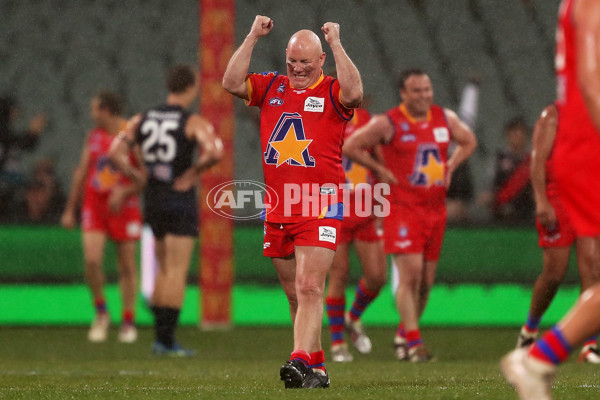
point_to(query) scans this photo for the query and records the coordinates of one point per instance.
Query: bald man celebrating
(303, 117)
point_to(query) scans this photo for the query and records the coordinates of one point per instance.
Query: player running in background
(110, 209)
(367, 239)
(303, 116)
(167, 137)
(414, 136)
(576, 151)
(556, 235)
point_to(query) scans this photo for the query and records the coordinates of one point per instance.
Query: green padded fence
(52, 254)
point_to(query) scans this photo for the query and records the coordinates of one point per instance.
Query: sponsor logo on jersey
(441, 134)
(288, 143)
(314, 104)
(275, 101)
(429, 168)
(327, 234)
(409, 137)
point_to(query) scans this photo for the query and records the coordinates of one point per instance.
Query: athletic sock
(164, 325)
(301, 356)
(591, 342)
(128, 317)
(532, 323)
(400, 332)
(413, 339)
(362, 299)
(100, 306)
(552, 348)
(317, 360)
(335, 307)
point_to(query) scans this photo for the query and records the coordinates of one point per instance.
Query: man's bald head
(305, 40)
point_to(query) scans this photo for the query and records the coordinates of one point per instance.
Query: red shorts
(563, 234)
(580, 197)
(410, 230)
(359, 228)
(280, 239)
(124, 225)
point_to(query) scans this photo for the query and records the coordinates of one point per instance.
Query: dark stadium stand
(57, 53)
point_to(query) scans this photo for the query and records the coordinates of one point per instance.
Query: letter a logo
(288, 143)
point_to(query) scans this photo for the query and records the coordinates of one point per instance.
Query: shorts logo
(327, 190)
(429, 169)
(314, 104)
(275, 101)
(403, 244)
(133, 229)
(327, 234)
(403, 232)
(288, 143)
(441, 134)
(266, 245)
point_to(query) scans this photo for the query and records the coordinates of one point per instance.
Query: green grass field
(59, 363)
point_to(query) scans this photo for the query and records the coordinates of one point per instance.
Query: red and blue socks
(128, 317)
(317, 360)
(551, 348)
(532, 324)
(401, 332)
(335, 308)
(362, 299)
(100, 306)
(302, 356)
(413, 339)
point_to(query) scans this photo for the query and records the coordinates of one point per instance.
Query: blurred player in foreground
(360, 230)
(576, 153)
(167, 136)
(556, 235)
(415, 137)
(110, 209)
(303, 116)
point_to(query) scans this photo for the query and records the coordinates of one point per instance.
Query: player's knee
(92, 266)
(309, 287)
(376, 281)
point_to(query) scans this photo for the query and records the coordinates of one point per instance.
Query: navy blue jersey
(167, 154)
(166, 150)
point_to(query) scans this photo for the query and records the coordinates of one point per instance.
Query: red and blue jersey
(302, 133)
(102, 176)
(417, 156)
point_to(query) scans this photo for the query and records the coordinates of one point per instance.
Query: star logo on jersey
(355, 173)
(429, 168)
(105, 176)
(288, 143)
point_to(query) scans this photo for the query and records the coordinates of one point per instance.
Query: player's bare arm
(377, 131)
(68, 219)
(210, 149)
(234, 79)
(587, 18)
(544, 134)
(465, 140)
(347, 73)
(119, 155)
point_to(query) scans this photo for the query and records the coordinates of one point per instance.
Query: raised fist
(262, 25)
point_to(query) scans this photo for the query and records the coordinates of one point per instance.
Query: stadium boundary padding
(469, 255)
(450, 305)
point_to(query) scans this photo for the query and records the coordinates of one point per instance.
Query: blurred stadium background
(56, 54)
